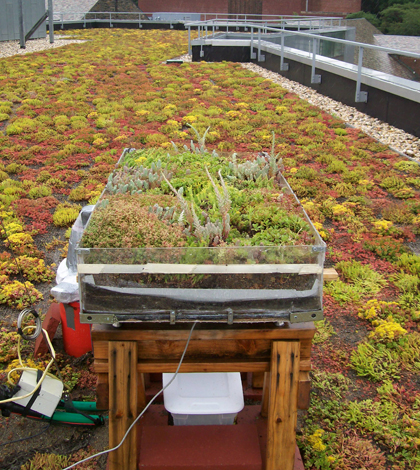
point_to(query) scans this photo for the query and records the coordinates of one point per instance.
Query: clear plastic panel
(251, 281)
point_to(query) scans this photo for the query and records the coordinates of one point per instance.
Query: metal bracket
(319, 249)
(201, 53)
(316, 78)
(230, 316)
(284, 67)
(300, 317)
(261, 58)
(361, 97)
(172, 316)
(100, 318)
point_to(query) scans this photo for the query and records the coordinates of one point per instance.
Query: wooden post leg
(141, 392)
(258, 379)
(282, 414)
(122, 403)
(265, 395)
(102, 392)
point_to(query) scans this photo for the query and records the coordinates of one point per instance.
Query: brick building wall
(339, 7)
(115, 5)
(280, 7)
(269, 7)
(184, 6)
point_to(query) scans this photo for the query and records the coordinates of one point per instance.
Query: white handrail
(360, 96)
(388, 50)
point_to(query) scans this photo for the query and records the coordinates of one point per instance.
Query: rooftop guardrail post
(189, 41)
(21, 26)
(298, 25)
(110, 20)
(261, 57)
(259, 44)
(315, 78)
(283, 67)
(84, 20)
(361, 96)
(252, 55)
(140, 25)
(201, 42)
(62, 20)
(51, 21)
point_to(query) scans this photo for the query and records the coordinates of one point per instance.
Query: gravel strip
(11, 48)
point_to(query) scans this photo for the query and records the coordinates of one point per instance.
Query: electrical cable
(26, 438)
(40, 378)
(142, 413)
(38, 328)
(22, 332)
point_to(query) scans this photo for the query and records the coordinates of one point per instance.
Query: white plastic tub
(203, 398)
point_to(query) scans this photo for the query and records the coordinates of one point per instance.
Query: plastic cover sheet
(67, 288)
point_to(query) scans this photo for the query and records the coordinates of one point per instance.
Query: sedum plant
(135, 180)
(201, 139)
(264, 166)
(211, 232)
(122, 221)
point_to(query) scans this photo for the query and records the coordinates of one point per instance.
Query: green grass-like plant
(324, 330)
(362, 275)
(375, 362)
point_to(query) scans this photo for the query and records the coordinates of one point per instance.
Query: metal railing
(204, 27)
(300, 22)
(110, 17)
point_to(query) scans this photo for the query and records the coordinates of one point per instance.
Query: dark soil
(47, 438)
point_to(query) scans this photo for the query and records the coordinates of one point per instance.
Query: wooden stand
(282, 353)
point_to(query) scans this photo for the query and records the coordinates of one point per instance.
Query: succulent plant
(201, 143)
(164, 213)
(212, 232)
(264, 166)
(135, 180)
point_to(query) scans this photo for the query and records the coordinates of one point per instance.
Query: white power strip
(49, 396)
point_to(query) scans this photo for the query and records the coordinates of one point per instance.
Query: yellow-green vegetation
(65, 214)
